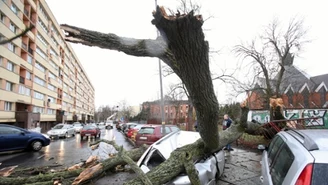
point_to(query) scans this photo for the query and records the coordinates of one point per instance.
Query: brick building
(175, 111)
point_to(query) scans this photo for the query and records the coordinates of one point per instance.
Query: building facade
(41, 78)
(175, 111)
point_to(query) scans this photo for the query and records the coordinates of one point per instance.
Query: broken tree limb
(190, 169)
(39, 178)
(130, 46)
(134, 166)
(96, 171)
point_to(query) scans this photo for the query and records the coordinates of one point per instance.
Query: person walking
(226, 124)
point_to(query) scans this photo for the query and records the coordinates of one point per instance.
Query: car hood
(175, 140)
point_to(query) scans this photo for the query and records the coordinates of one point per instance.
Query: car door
(12, 139)
(268, 157)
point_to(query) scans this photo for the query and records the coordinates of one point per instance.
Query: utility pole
(161, 85)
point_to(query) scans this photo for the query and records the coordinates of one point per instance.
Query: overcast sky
(117, 77)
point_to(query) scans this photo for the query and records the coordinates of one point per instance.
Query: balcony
(21, 80)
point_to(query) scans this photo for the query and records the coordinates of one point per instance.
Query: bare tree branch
(17, 36)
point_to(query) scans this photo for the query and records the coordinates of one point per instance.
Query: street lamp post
(161, 85)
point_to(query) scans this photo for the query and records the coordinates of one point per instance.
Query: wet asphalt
(62, 152)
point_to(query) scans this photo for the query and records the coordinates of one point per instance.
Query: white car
(209, 168)
(61, 130)
(77, 126)
(109, 124)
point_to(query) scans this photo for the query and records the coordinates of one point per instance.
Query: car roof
(312, 139)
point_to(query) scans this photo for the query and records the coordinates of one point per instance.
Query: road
(65, 152)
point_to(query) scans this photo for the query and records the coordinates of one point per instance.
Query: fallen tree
(181, 46)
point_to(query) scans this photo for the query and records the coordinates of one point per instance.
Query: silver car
(61, 130)
(209, 169)
(296, 157)
(77, 126)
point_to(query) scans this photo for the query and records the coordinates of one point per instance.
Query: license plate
(87, 134)
(144, 138)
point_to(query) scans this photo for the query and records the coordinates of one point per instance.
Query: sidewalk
(242, 167)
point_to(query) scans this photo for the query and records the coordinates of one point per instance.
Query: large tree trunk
(182, 46)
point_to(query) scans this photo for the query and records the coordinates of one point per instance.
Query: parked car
(109, 124)
(90, 130)
(128, 126)
(61, 130)
(78, 126)
(148, 134)
(15, 138)
(134, 130)
(296, 157)
(119, 125)
(209, 168)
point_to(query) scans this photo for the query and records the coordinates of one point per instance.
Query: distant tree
(269, 55)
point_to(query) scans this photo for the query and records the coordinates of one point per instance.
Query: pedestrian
(226, 124)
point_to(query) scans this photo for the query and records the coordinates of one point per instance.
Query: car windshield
(77, 124)
(89, 127)
(146, 130)
(58, 126)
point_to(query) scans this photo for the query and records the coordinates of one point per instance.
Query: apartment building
(41, 78)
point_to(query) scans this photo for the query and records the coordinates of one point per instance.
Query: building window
(52, 63)
(323, 93)
(24, 90)
(306, 94)
(44, 27)
(28, 75)
(51, 99)
(290, 96)
(41, 53)
(29, 59)
(10, 66)
(51, 75)
(9, 86)
(8, 106)
(51, 111)
(38, 109)
(1, 59)
(43, 40)
(14, 8)
(12, 27)
(38, 95)
(12, 47)
(51, 87)
(53, 52)
(39, 81)
(40, 66)
(2, 17)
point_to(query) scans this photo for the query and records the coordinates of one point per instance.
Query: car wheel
(73, 133)
(36, 145)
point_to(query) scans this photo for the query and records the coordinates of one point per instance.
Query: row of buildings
(41, 78)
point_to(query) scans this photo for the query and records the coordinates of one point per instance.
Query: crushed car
(209, 168)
